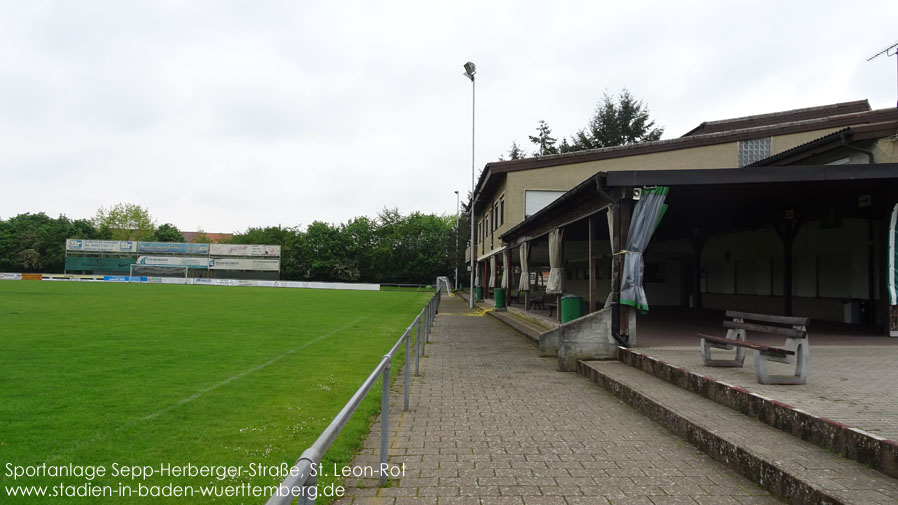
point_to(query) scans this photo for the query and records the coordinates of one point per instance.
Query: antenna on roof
(892, 50)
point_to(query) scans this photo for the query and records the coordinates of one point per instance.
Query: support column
(872, 309)
(506, 274)
(884, 308)
(626, 210)
(593, 289)
(486, 279)
(616, 264)
(563, 277)
(698, 245)
(787, 232)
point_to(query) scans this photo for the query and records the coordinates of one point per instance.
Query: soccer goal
(155, 274)
(443, 284)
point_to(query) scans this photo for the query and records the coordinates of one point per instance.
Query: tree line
(616, 121)
(391, 248)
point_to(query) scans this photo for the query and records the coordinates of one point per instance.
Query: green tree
(326, 251)
(125, 221)
(413, 248)
(565, 147)
(514, 153)
(167, 233)
(36, 242)
(461, 233)
(543, 139)
(623, 122)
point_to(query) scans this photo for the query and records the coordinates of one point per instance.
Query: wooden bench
(539, 300)
(795, 349)
(537, 297)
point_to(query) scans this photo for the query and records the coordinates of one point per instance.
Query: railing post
(429, 319)
(427, 324)
(408, 342)
(417, 345)
(385, 420)
(308, 496)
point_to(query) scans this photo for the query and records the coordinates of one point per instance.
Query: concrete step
(524, 327)
(846, 441)
(797, 471)
(528, 329)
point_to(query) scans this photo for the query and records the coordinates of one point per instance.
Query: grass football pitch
(121, 375)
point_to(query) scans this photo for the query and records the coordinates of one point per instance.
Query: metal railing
(300, 478)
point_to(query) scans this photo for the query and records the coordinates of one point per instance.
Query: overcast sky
(229, 114)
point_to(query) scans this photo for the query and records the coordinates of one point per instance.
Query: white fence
(201, 282)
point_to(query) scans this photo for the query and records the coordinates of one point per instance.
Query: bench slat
(762, 328)
(756, 347)
(790, 320)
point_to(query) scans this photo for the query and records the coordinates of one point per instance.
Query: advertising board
(267, 265)
(172, 248)
(244, 250)
(173, 261)
(112, 246)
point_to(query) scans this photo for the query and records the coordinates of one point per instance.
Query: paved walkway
(490, 422)
(854, 385)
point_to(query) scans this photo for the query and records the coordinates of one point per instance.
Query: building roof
(216, 238)
(829, 142)
(694, 140)
(788, 116)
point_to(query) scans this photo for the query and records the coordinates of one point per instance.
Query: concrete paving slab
(491, 422)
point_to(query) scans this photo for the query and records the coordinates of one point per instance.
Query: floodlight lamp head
(470, 70)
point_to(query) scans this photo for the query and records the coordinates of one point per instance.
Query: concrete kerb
(770, 474)
(877, 452)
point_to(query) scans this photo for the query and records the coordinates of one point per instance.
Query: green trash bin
(478, 293)
(571, 307)
(499, 295)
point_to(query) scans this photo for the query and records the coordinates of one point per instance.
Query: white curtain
(492, 283)
(524, 284)
(506, 274)
(610, 215)
(477, 274)
(556, 272)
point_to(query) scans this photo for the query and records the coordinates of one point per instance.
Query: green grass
(96, 374)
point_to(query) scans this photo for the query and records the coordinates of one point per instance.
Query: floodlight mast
(456, 240)
(892, 50)
(470, 70)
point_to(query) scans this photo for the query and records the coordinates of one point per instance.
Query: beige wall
(781, 143)
(490, 243)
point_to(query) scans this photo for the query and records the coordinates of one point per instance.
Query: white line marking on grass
(213, 387)
(244, 373)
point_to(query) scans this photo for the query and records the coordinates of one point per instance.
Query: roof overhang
(761, 191)
(754, 175)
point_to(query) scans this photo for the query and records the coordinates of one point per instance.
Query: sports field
(116, 375)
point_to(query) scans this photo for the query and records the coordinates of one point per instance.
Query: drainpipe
(844, 138)
(615, 304)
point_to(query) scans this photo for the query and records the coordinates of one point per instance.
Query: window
(753, 150)
(495, 215)
(502, 210)
(535, 200)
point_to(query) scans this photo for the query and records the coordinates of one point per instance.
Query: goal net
(147, 273)
(443, 284)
